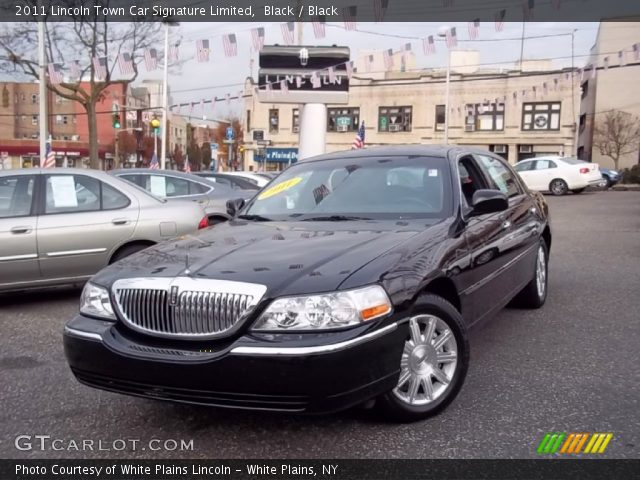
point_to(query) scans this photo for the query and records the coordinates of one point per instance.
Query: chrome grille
(185, 307)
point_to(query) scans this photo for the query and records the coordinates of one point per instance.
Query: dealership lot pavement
(573, 366)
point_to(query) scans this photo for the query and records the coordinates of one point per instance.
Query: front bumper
(284, 372)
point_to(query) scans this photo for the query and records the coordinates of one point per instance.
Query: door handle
(120, 221)
(20, 230)
(506, 224)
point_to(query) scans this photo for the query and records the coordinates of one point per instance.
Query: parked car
(174, 185)
(253, 177)
(355, 276)
(60, 226)
(610, 177)
(268, 175)
(558, 175)
(234, 182)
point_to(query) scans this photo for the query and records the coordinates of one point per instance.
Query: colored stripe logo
(574, 443)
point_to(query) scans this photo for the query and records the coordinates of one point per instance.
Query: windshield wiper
(334, 218)
(256, 218)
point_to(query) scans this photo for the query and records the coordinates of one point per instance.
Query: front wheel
(534, 294)
(433, 364)
(558, 187)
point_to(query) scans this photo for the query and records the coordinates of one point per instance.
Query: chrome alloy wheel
(428, 361)
(541, 272)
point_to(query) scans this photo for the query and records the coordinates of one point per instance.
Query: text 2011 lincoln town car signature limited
(352, 276)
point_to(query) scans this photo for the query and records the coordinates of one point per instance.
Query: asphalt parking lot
(573, 366)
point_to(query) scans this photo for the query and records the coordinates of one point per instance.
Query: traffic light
(155, 125)
(116, 120)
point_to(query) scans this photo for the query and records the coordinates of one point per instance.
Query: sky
(196, 81)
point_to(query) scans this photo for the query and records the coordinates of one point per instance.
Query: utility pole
(42, 90)
(165, 93)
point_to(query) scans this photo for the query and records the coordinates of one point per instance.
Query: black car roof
(396, 150)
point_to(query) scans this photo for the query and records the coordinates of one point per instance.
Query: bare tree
(82, 40)
(617, 135)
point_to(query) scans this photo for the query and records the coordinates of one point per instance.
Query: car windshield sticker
(158, 186)
(433, 172)
(63, 188)
(320, 193)
(279, 188)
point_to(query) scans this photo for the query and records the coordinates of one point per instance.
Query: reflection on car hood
(287, 257)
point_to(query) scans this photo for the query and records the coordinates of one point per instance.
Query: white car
(558, 175)
(253, 177)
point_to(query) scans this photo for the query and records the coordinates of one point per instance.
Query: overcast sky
(196, 81)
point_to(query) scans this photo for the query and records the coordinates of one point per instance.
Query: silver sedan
(60, 226)
(173, 185)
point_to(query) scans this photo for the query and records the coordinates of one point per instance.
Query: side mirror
(488, 201)
(234, 206)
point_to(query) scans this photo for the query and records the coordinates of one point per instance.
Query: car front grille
(184, 307)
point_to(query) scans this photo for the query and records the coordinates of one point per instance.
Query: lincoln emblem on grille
(173, 295)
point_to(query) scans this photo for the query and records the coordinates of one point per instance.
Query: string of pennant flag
(203, 46)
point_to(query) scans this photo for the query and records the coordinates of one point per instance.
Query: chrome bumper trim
(82, 334)
(295, 351)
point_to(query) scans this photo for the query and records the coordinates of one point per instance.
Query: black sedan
(353, 276)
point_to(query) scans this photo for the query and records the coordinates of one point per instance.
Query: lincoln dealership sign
(303, 74)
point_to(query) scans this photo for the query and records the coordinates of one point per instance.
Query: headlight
(326, 310)
(95, 301)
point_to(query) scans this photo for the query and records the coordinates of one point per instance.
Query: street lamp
(155, 124)
(165, 88)
(442, 32)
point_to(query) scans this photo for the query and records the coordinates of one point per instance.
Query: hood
(287, 257)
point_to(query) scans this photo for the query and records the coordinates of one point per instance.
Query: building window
(248, 120)
(343, 119)
(34, 98)
(34, 120)
(585, 88)
(58, 119)
(485, 117)
(441, 115)
(583, 122)
(58, 99)
(541, 116)
(394, 119)
(22, 97)
(295, 120)
(581, 154)
(274, 120)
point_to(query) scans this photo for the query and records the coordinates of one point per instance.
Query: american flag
(154, 165)
(605, 62)
(429, 45)
(315, 80)
(527, 9)
(257, 37)
(450, 38)
(379, 9)
(332, 74)
(349, 17)
(358, 142)
(187, 165)
(55, 73)
(151, 59)
(368, 63)
(174, 53)
(349, 68)
(474, 29)
(230, 45)
(213, 103)
(75, 69)
(227, 98)
(319, 26)
(125, 64)
(49, 157)
(405, 52)
(621, 59)
(100, 67)
(202, 50)
(287, 32)
(284, 87)
(387, 57)
(500, 20)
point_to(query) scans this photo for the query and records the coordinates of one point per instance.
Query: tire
(428, 312)
(578, 190)
(126, 251)
(531, 296)
(558, 187)
(607, 182)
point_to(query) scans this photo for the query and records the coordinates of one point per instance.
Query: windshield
(363, 188)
